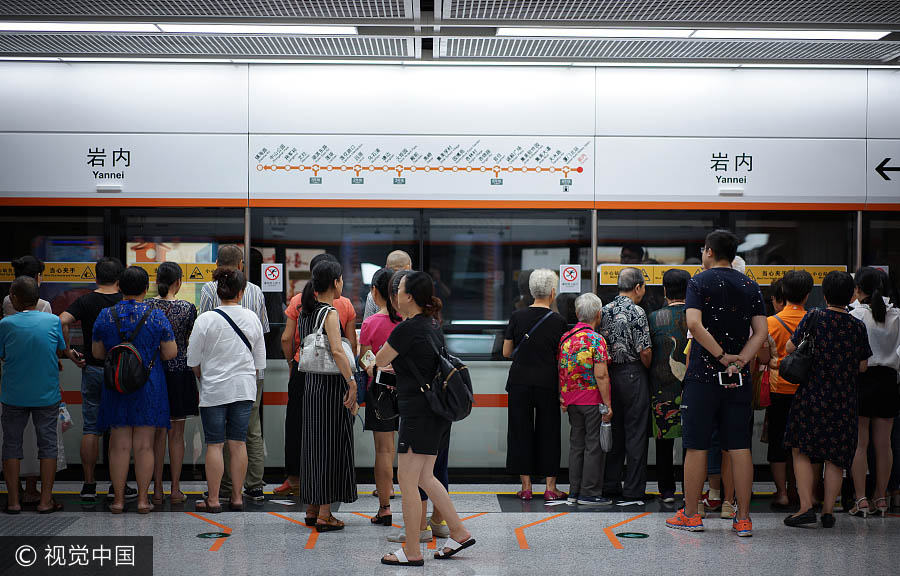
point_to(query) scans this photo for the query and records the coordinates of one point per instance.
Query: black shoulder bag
(795, 367)
(530, 332)
(449, 394)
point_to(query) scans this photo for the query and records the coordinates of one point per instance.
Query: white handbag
(315, 354)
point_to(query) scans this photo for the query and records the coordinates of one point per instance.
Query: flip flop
(11, 511)
(178, 499)
(54, 507)
(402, 560)
(206, 507)
(145, 509)
(454, 547)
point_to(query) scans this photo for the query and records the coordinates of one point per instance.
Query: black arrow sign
(883, 169)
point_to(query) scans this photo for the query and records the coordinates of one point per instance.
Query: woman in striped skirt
(327, 472)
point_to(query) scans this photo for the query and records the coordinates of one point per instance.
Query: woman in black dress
(181, 384)
(823, 421)
(411, 348)
(327, 472)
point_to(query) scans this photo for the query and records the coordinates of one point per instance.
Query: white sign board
(730, 170)
(272, 277)
(569, 278)
(883, 171)
(123, 165)
(384, 167)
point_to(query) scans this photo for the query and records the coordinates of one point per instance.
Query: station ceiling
(778, 32)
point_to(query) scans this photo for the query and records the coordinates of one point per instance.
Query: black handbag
(796, 366)
(449, 394)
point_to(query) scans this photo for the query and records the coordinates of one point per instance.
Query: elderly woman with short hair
(532, 342)
(584, 393)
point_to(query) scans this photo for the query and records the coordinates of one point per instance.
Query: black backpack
(449, 394)
(124, 370)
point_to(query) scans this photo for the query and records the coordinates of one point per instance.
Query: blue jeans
(226, 421)
(91, 389)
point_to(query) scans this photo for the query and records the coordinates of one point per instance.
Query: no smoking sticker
(272, 280)
(569, 278)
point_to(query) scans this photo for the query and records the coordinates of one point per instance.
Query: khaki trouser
(256, 460)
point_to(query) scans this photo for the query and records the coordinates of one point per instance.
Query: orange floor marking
(313, 535)
(219, 541)
(520, 532)
(612, 537)
(474, 516)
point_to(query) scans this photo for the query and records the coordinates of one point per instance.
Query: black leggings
(533, 431)
(292, 421)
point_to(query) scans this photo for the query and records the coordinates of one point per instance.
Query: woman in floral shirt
(584, 386)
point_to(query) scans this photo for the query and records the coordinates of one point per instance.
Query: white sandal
(454, 547)
(402, 560)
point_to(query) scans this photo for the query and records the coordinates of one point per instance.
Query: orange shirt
(791, 315)
(346, 313)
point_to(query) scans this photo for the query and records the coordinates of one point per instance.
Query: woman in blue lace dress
(133, 418)
(181, 384)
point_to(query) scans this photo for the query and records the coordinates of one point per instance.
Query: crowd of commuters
(695, 368)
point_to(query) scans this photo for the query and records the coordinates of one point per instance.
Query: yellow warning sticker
(83, 272)
(762, 275)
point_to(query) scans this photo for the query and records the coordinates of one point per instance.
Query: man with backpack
(85, 310)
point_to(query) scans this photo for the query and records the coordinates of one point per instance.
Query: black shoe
(255, 494)
(808, 517)
(827, 520)
(89, 492)
(130, 493)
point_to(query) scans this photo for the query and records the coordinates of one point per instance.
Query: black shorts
(879, 394)
(423, 434)
(705, 405)
(778, 416)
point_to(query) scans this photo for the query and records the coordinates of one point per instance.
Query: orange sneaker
(743, 528)
(682, 522)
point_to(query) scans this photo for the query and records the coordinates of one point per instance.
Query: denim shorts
(91, 389)
(13, 420)
(226, 421)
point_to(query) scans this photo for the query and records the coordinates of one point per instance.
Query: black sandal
(330, 524)
(312, 514)
(386, 520)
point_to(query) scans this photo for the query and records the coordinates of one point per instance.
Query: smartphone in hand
(368, 358)
(731, 380)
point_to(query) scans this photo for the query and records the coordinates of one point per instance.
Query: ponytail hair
(869, 281)
(167, 273)
(420, 286)
(231, 282)
(382, 283)
(324, 275)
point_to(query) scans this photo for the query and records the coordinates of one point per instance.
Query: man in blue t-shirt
(726, 315)
(29, 345)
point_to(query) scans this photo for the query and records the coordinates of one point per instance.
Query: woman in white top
(879, 393)
(225, 350)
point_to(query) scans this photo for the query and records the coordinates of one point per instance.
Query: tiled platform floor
(530, 539)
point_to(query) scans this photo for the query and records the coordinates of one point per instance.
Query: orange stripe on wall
(460, 204)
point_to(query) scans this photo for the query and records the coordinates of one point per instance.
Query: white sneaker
(439, 530)
(400, 535)
(728, 510)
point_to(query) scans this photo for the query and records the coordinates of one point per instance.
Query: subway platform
(513, 537)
